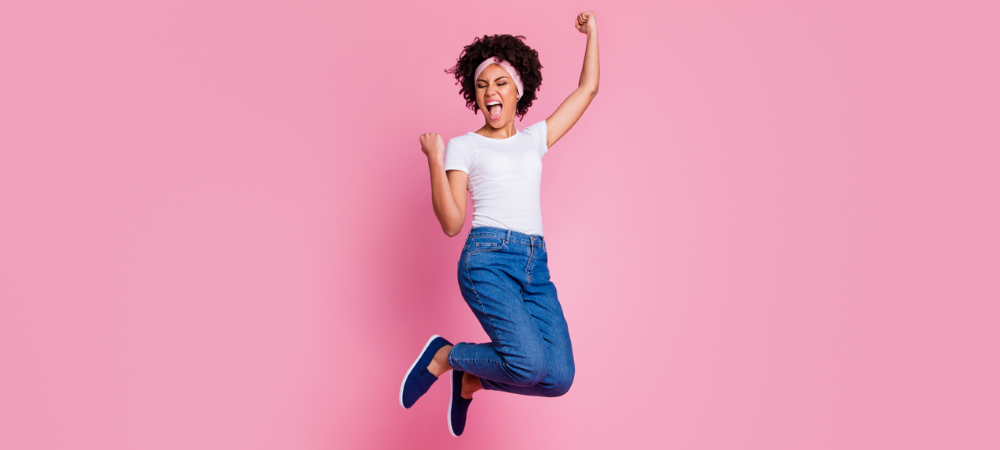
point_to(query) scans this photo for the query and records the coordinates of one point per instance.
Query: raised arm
(447, 189)
(573, 107)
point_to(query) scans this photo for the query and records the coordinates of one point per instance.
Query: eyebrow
(487, 81)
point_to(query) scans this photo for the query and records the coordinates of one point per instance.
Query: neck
(503, 132)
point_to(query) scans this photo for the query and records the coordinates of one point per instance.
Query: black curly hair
(505, 47)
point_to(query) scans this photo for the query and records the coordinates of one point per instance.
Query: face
(495, 85)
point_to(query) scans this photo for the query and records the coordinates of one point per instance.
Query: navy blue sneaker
(458, 407)
(418, 379)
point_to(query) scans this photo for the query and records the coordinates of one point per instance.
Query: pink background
(775, 227)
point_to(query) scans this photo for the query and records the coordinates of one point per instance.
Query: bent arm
(448, 196)
(569, 112)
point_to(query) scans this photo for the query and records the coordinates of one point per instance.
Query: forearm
(590, 77)
(445, 208)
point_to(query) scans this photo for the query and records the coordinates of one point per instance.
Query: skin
(495, 84)
(448, 190)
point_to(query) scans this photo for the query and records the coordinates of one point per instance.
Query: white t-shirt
(505, 177)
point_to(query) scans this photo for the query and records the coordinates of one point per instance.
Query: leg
(510, 293)
(439, 365)
(541, 298)
(545, 307)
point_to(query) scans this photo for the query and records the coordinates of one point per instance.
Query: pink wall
(775, 228)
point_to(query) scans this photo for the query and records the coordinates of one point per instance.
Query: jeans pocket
(483, 244)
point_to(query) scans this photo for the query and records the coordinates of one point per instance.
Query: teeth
(492, 103)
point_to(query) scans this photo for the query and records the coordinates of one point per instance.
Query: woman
(503, 273)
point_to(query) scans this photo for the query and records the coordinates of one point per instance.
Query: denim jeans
(504, 278)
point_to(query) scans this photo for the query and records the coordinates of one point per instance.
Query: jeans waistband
(509, 235)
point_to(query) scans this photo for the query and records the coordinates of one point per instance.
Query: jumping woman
(503, 270)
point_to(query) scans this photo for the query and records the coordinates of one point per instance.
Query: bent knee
(561, 383)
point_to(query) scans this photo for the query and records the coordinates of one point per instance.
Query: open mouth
(494, 109)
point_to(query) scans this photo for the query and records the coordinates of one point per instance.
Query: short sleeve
(540, 132)
(455, 157)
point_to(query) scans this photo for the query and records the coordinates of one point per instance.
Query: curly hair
(506, 47)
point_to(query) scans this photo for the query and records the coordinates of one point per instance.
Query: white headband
(506, 66)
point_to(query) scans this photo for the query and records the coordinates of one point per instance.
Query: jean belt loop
(507, 239)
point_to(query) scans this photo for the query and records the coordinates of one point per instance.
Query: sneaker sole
(451, 402)
(407, 376)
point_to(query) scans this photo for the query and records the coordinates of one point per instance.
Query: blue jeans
(504, 277)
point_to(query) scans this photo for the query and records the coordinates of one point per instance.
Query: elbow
(453, 229)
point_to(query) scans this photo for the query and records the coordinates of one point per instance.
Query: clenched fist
(432, 145)
(586, 22)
